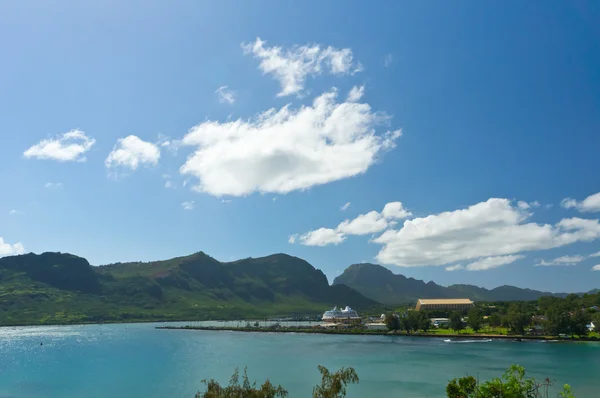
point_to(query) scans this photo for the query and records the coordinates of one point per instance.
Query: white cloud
(226, 96)
(562, 261)
(364, 224)
(589, 204)
(131, 152)
(14, 212)
(290, 67)
(596, 267)
(321, 237)
(226, 201)
(395, 210)
(387, 61)
(292, 238)
(71, 146)
(286, 150)
(356, 93)
(7, 249)
(492, 262)
(597, 254)
(456, 267)
(169, 184)
(189, 205)
(345, 206)
(524, 205)
(51, 185)
(487, 229)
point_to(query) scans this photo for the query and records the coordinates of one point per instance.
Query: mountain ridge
(381, 284)
(64, 288)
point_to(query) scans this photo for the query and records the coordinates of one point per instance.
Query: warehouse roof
(445, 301)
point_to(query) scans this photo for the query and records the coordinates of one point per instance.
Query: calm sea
(137, 360)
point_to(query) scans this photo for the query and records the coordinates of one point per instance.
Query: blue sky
(141, 131)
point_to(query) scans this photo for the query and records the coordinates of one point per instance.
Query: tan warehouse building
(443, 304)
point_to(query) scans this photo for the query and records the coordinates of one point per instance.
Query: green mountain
(382, 285)
(63, 288)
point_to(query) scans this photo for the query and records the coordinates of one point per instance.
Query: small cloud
(454, 267)
(7, 249)
(226, 96)
(589, 204)
(226, 201)
(597, 254)
(188, 205)
(291, 66)
(53, 185)
(169, 184)
(345, 207)
(292, 239)
(561, 261)
(387, 61)
(68, 147)
(14, 212)
(274, 198)
(356, 93)
(131, 152)
(596, 267)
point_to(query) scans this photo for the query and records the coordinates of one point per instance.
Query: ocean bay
(138, 360)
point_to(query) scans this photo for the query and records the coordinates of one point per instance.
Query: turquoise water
(137, 360)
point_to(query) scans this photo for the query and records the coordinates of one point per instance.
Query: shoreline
(379, 333)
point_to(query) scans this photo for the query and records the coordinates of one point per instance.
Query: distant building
(443, 304)
(440, 322)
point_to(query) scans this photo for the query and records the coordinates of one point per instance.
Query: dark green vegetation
(512, 384)
(548, 316)
(333, 385)
(57, 288)
(382, 285)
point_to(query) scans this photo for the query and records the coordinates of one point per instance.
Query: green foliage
(456, 322)
(475, 319)
(392, 322)
(518, 318)
(333, 385)
(513, 384)
(244, 390)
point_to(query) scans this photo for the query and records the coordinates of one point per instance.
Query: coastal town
(457, 318)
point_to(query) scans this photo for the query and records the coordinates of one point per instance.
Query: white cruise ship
(346, 315)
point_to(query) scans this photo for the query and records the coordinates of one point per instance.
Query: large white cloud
(131, 152)
(589, 204)
(487, 229)
(363, 224)
(291, 66)
(286, 150)
(7, 249)
(68, 147)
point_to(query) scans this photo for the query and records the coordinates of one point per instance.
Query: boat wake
(468, 341)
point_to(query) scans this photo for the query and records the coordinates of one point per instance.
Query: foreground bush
(513, 384)
(333, 385)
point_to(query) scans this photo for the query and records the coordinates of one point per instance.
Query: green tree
(475, 319)
(578, 322)
(392, 322)
(513, 384)
(333, 385)
(244, 390)
(424, 321)
(456, 322)
(495, 320)
(518, 319)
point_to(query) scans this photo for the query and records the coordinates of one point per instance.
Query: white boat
(341, 316)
